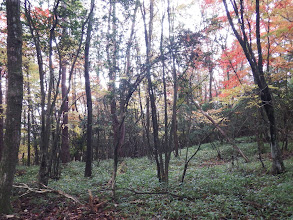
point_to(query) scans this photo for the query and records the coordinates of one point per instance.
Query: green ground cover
(213, 188)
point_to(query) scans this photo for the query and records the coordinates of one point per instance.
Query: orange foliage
(233, 63)
(43, 17)
(276, 39)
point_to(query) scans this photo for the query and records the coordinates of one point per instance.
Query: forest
(146, 109)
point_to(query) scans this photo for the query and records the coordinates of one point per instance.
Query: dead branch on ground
(44, 190)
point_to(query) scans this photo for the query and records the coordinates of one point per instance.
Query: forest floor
(212, 189)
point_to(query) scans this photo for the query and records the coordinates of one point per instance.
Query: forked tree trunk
(14, 104)
(45, 113)
(36, 38)
(157, 151)
(258, 74)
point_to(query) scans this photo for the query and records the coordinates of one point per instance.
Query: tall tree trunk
(36, 38)
(51, 99)
(89, 156)
(46, 124)
(45, 113)
(111, 60)
(14, 104)
(1, 117)
(166, 144)
(65, 151)
(29, 122)
(166, 148)
(259, 78)
(175, 86)
(148, 40)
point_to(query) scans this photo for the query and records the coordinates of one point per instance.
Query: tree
(65, 150)
(122, 95)
(45, 113)
(45, 27)
(14, 104)
(243, 36)
(29, 114)
(89, 156)
(173, 132)
(162, 165)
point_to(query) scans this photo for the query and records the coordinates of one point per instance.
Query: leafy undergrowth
(212, 189)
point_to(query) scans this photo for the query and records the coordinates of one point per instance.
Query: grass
(212, 189)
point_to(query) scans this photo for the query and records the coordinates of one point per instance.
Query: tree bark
(35, 142)
(1, 117)
(29, 122)
(14, 104)
(89, 156)
(65, 151)
(111, 60)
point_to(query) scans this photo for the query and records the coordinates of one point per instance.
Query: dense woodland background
(133, 78)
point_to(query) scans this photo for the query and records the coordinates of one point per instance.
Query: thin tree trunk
(89, 156)
(175, 86)
(14, 104)
(29, 122)
(65, 151)
(1, 117)
(210, 82)
(167, 147)
(111, 59)
(164, 91)
(45, 113)
(46, 127)
(148, 124)
(35, 142)
(36, 39)
(148, 41)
